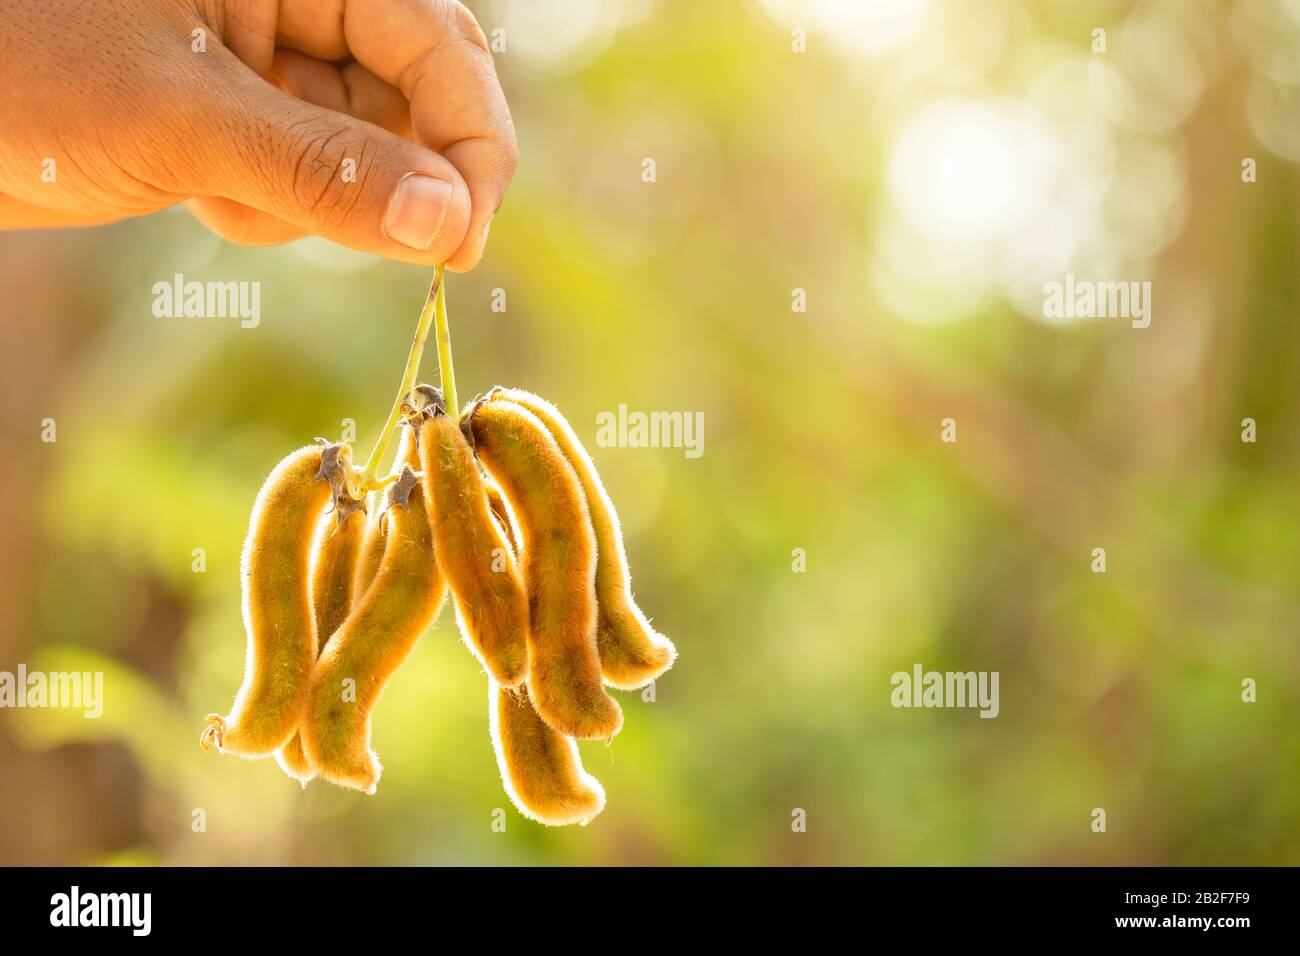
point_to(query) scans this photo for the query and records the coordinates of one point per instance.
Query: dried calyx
(336, 469)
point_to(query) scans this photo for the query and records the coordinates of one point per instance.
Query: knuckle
(509, 160)
(497, 170)
(505, 159)
(329, 172)
(464, 24)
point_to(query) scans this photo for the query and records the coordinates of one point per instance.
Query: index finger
(434, 52)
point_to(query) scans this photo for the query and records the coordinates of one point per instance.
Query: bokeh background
(920, 171)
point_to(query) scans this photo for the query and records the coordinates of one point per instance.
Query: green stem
(446, 373)
(367, 476)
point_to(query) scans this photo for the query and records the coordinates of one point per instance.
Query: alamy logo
(1083, 299)
(74, 689)
(74, 908)
(179, 299)
(626, 429)
(923, 688)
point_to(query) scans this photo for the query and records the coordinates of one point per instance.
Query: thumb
(329, 173)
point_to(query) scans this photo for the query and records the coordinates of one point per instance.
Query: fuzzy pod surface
(333, 581)
(540, 768)
(280, 626)
(293, 760)
(559, 556)
(334, 565)
(632, 653)
(371, 549)
(501, 512)
(472, 553)
(375, 538)
(375, 640)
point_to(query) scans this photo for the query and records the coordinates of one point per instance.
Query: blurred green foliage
(1119, 690)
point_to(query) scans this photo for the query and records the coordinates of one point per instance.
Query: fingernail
(416, 211)
(487, 227)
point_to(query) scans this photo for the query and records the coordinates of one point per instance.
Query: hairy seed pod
(540, 768)
(375, 538)
(372, 644)
(632, 653)
(474, 557)
(333, 576)
(559, 568)
(278, 618)
(372, 548)
(293, 760)
(334, 570)
(501, 512)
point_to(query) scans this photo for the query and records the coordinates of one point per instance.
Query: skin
(278, 616)
(540, 768)
(474, 557)
(332, 578)
(632, 653)
(251, 133)
(370, 647)
(559, 568)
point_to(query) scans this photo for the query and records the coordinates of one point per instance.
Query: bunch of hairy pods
(502, 509)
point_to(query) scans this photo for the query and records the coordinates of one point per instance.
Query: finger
(242, 224)
(353, 89)
(349, 88)
(434, 53)
(324, 171)
(15, 214)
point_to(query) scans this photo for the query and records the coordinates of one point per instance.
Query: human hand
(379, 124)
